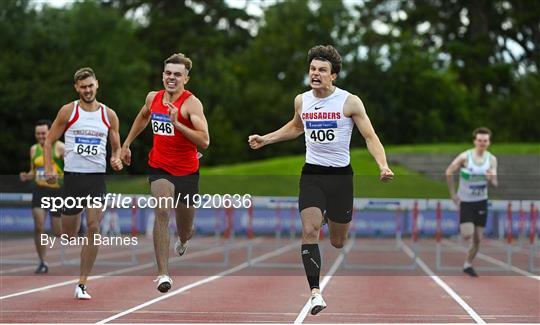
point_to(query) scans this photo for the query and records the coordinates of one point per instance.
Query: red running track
(272, 295)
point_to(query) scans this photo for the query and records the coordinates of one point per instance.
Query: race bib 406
(321, 131)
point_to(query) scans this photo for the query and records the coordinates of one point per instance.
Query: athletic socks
(311, 258)
(466, 265)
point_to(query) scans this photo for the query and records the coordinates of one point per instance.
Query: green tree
(41, 51)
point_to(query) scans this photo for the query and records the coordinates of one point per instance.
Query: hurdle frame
(401, 206)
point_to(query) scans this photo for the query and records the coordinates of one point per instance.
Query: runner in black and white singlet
(87, 125)
(326, 114)
(477, 167)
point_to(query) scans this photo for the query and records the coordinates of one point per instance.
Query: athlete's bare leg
(39, 228)
(338, 233)
(475, 244)
(71, 224)
(162, 188)
(184, 222)
(89, 252)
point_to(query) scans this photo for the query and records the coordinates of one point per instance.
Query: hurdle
(401, 209)
(133, 260)
(279, 206)
(533, 240)
(223, 236)
(17, 199)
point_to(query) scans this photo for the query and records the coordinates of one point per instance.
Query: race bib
(477, 190)
(87, 146)
(162, 125)
(40, 174)
(321, 131)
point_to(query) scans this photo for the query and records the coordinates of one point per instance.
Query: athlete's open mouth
(315, 80)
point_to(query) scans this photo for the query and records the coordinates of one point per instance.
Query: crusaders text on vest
(86, 140)
(327, 129)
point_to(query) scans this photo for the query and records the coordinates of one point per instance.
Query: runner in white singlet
(326, 114)
(88, 125)
(476, 167)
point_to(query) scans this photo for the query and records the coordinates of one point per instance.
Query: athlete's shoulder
(192, 103)
(464, 155)
(110, 112)
(65, 111)
(151, 96)
(352, 98)
(68, 107)
(492, 157)
(353, 106)
(33, 149)
(192, 98)
(342, 92)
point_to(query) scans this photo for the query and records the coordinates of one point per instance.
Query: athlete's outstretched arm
(139, 124)
(289, 131)
(356, 110)
(194, 108)
(114, 138)
(57, 129)
(452, 168)
(491, 173)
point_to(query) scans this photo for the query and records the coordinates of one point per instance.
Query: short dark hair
(326, 53)
(44, 122)
(481, 130)
(83, 73)
(179, 58)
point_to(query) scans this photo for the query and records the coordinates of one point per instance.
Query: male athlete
(326, 114)
(477, 167)
(43, 189)
(86, 125)
(179, 127)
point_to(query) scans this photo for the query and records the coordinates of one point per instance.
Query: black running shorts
(328, 188)
(475, 212)
(83, 185)
(40, 192)
(184, 186)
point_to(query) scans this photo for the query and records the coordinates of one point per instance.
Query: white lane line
(200, 282)
(125, 270)
(303, 313)
(76, 260)
(443, 285)
(493, 260)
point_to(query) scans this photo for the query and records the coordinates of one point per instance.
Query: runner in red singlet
(179, 127)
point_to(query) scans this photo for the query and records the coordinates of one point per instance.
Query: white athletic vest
(327, 129)
(86, 140)
(473, 184)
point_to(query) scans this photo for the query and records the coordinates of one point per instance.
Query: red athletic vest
(171, 151)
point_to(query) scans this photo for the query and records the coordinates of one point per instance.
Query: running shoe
(180, 247)
(317, 303)
(470, 271)
(164, 283)
(80, 292)
(42, 268)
